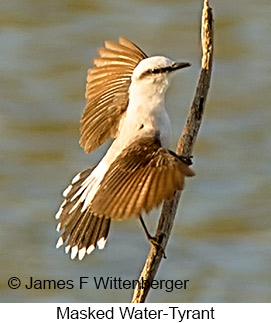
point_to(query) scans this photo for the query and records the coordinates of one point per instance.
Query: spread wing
(107, 91)
(140, 178)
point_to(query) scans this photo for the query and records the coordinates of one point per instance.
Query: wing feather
(140, 178)
(132, 193)
(107, 91)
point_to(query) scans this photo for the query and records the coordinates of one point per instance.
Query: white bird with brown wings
(125, 95)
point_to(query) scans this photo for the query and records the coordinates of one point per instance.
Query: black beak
(170, 68)
(177, 66)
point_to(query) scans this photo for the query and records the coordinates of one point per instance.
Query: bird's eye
(156, 70)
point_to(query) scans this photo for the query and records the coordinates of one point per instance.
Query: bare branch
(185, 148)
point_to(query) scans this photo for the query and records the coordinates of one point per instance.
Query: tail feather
(81, 230)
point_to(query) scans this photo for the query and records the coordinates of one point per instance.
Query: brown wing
(107, 91)
(140, 178)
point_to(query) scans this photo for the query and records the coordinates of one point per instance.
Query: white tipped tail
(58, 228)
(74, 252)
(59, 243)
(67, 191)
(90, 249)
(81, 253)
(81, 230)
(101, 243)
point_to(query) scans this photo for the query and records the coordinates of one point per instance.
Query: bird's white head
(154, 74)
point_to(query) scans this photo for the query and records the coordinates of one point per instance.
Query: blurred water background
(221, 239)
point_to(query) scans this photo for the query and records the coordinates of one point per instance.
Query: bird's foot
(186, 159)
(157, 245)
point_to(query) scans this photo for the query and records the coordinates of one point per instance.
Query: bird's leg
(152, 240)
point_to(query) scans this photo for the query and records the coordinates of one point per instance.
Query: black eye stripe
(155, 71)
(160, 70)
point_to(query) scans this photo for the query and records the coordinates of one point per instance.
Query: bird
(125, 100)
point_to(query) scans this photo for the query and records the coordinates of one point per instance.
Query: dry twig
(185, 147)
